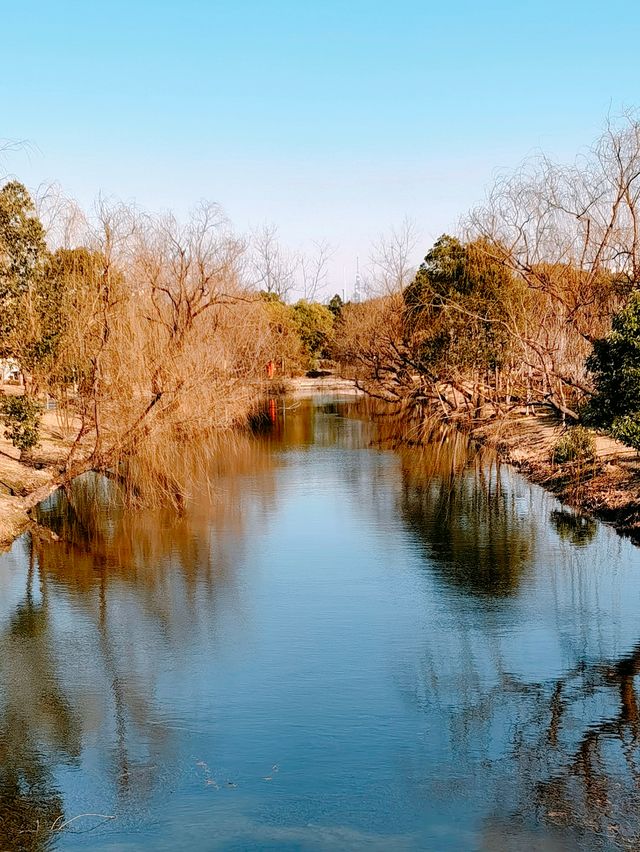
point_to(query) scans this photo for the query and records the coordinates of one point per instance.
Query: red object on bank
(271, 369)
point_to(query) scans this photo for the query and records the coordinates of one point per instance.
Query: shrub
(627, 430)
(576, 444)
(21, 418)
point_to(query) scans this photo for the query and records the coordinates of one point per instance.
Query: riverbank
(304, 385)
(608, 488)
(23, 486)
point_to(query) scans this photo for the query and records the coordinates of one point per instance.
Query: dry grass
(13, 520)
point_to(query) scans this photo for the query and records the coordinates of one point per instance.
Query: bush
(21, 418)
(577, 444)
(627, 430)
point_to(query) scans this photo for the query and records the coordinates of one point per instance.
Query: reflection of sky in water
(348, 647)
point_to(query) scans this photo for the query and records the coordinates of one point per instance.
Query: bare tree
(273, 268)
(10, 146)
(570, 233)
(391, 259)
(166, 346)
(63, 220)
(314, 269)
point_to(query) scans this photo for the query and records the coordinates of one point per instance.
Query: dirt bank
(304, 385)
(22, 486)
(607, 488)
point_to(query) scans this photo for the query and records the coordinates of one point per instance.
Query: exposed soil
(20, 483)
(607, 487)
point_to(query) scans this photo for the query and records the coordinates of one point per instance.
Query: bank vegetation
(533, 306)
(143, 335)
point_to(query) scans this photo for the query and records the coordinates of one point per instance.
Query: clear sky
(332, 119)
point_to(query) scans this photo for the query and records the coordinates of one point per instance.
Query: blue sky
(332, 119)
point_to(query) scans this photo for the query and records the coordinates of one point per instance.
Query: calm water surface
(342, 646)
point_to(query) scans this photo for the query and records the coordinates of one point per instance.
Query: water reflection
(345, 641)
(578, 529)
(574, 745)
(175, 567)
(473, 531)
(579, 778)
(35, 715)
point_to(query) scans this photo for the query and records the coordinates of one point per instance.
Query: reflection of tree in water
(577, 770)
(594, 786)
(454, 501)
(175, 562)
(577, 529)
(302, 423)
(572, 767)
(579, 774)
(579, 778)
(172, 570)
(571, 750)
(35, 716)
(452, 498)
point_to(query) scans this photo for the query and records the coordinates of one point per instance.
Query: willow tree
(161, 349)
(571, 235)
(164, 351)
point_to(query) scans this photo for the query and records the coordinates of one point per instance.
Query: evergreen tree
(615, 365)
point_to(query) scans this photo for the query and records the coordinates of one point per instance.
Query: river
(342, 644)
